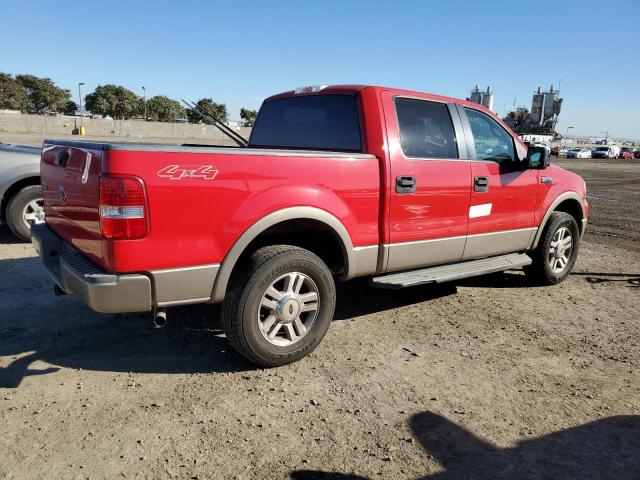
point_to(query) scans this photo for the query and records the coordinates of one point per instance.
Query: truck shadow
(605, 449)
(40, 332)
(6, 237)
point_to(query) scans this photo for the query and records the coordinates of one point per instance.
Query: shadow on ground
(607, 449)
(631, 279)
(36, 326)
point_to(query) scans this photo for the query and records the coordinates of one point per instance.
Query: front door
(503, 197)
(430, 183)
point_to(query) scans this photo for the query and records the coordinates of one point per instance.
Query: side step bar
(454, 271)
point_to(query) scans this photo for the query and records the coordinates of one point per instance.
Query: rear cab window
(426, 129)
(317, 122)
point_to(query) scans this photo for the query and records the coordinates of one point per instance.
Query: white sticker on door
(483, 210)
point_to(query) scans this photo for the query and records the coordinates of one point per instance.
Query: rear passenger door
(504, 193)
(430, 183)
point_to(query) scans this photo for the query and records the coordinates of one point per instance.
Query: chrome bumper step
(454, 271)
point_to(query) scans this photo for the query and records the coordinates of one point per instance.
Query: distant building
(536, 137)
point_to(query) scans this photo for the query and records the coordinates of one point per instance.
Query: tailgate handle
(62, 157)
(405, 184)
(480, 184)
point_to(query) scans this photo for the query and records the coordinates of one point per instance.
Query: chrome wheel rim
(560, 250)
(33, 212)
(288, 309)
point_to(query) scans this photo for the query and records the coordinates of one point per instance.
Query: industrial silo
(487, 99)
(476, 95)
(557, 106)
(536, 107)
(549, 104)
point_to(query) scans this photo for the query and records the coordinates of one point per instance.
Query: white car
(543, 145)
(579, 153)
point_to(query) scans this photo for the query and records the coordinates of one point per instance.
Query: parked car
(562, 151)
(626, 152)
(21, 203)
(636, 154)
(579, 153)
(542, 145)
(338, 182)
(610, 151)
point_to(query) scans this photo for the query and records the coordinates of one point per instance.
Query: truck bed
(200, 199)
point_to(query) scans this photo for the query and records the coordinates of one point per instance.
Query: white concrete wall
(65, 125)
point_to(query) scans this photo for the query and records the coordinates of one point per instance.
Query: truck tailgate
(70, 178)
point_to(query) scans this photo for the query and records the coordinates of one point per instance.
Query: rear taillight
(123, 208)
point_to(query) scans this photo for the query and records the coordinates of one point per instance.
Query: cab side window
(492, 142)
(426, 129)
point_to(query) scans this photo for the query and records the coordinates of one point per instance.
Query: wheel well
(13, 189)
(573, 208)
(312, 235)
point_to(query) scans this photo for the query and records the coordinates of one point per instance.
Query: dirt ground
(485, 378)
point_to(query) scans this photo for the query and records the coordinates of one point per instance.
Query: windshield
(324, 122)
(602, 149)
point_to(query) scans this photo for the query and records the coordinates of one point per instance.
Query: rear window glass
(426, 130)
(324, 122)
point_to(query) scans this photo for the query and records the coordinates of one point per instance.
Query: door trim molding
(433, 251)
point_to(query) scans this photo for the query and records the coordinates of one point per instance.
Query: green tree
(44, 96)
(70, 108)
(249, 116)
(218, 110)
(13, 95)
(164, 109)
(114, 101)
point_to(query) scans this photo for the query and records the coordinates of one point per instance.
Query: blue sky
(240, 52)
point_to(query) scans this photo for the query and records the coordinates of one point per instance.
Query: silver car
(21, 203)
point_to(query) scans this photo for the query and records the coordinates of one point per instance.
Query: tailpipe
(159, 318)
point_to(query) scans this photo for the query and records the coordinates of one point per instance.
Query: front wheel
(557, 251)
(279, 305)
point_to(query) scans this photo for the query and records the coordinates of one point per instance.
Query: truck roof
(354, 88)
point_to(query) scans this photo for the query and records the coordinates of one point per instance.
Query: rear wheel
(279, 305)
(25, 208)
(557, 250)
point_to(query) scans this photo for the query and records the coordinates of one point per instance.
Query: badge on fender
(178, 172)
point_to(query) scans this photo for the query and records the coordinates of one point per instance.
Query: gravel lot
(485, 378)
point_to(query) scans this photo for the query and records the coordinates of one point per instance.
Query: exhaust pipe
(159, 318)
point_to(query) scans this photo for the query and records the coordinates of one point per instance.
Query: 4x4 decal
(178, 172)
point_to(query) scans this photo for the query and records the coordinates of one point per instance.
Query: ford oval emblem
(62, 193)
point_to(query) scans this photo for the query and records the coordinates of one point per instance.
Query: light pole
(80, 100)
(144, 100)
(568, 128)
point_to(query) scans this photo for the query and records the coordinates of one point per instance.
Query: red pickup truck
(336, 182)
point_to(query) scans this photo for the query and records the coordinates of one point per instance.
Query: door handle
(405, 184)
(480, 184)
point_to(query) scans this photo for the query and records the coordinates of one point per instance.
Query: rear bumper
(73, 273)
(118, 293)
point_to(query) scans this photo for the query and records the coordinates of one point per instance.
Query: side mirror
(537, 157)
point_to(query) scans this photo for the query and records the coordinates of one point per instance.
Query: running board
(453, 271)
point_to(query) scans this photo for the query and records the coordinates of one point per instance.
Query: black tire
(540, 271)
(15, 208)
(240, 308)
